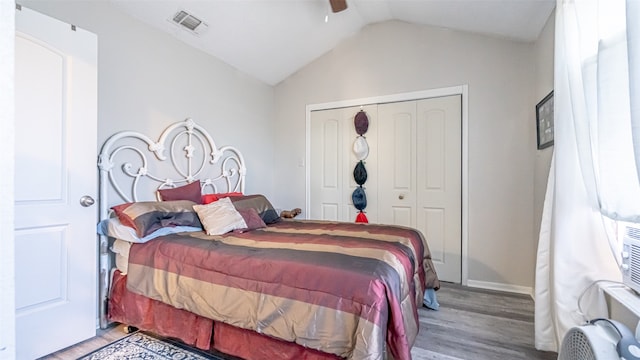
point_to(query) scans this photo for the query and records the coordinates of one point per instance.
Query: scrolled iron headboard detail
(132, 158)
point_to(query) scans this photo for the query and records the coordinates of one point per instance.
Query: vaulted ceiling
(272, 39)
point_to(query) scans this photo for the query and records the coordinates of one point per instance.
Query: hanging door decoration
(361, 150)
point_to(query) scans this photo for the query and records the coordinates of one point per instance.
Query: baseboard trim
(501, 287)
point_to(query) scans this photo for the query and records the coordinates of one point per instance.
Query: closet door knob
(401, 196)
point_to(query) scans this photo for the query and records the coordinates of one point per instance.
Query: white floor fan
(600, 339)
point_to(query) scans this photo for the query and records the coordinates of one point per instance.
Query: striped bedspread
(348, 289)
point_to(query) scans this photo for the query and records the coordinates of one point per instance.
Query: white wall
(396, 57)
(148, 79)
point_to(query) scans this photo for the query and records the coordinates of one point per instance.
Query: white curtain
(593, 180)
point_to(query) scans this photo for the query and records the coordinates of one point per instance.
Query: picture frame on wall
(545, 121)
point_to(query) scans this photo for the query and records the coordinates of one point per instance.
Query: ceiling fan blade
(338, 5)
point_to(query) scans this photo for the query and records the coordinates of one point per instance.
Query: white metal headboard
(127, 169)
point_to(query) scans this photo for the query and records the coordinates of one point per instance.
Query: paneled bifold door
(414, 171)
(332, 163)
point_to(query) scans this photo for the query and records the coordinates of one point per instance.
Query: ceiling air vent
(189, 22)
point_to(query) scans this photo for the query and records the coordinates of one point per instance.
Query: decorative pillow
(121, 250)
(114, 228)
(209, 198)
(191, 192)
(220, 217)
(228, 194)
(258, 202)
(252, 219)
(146, 217)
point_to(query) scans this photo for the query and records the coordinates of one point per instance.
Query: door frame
(415, 95)
(7, 160)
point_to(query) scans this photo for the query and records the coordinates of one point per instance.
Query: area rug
(140, 345)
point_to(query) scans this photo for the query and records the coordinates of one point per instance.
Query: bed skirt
(151, 315)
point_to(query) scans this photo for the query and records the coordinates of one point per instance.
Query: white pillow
(219, 217)
(121, 248)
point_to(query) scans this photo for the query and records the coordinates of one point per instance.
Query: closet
(413, 167)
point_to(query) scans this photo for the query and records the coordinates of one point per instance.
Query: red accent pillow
(209, 198)
(191, 192)
(224, 195)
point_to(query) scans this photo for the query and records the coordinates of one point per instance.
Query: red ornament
(362, 218)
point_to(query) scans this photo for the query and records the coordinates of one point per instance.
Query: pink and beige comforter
(347, 289)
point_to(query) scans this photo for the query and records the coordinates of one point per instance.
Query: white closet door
(397, 163)
(332, 162)
(56, 144)
(439, 182)
(327, 170)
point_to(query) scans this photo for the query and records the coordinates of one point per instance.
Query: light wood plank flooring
(478, 324)
(471, 324)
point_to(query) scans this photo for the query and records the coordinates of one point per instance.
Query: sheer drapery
(594, 174)
(633, 47)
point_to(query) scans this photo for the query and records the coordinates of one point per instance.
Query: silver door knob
(401, 196)
(87, 201)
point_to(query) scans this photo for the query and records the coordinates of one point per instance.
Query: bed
(189, 254)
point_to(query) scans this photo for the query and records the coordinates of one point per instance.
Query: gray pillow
(258, 202)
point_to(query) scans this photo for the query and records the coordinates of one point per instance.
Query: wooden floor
(478, 324)
(470, 324)
(103, 338)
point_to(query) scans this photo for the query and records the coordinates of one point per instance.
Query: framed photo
(544, 121)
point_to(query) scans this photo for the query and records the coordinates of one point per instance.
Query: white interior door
(55, 166)
(327, 170)
(439, 182)
(397, 163)
(420, 182)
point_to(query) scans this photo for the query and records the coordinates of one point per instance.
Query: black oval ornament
(360, 173)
